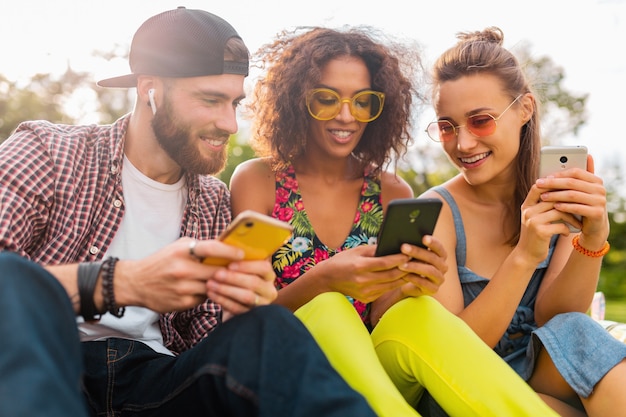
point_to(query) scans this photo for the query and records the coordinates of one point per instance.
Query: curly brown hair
(481, 52)
(293, 63)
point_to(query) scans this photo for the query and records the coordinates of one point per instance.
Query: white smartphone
(257, 234)
(559, 158)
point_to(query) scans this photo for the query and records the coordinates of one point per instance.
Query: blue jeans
(40, 373)
(262, 363)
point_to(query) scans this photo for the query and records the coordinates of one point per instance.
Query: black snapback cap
(179, 43)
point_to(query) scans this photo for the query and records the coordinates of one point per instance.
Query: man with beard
(105, 227)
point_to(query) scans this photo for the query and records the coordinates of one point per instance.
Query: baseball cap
(179, 43)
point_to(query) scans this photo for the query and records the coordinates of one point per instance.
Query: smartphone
(407, 220)
(257, 234)
(558, 158)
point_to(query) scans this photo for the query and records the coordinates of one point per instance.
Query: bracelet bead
(108, 295)
(592, 254)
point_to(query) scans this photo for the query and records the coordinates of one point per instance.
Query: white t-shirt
(152, 220)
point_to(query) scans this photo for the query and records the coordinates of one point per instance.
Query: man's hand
(174, 278)
(242, 285)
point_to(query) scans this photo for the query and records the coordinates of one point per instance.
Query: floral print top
(304, 250)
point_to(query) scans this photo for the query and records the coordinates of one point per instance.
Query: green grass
(616, 310)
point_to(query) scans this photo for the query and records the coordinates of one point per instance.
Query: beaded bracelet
(108, 296)
(87, 277)
(592, 254)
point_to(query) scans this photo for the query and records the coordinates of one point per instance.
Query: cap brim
(124, 81)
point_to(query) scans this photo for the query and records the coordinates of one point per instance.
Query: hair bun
(491, 34)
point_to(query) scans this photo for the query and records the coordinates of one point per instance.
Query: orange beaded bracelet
(593, 254)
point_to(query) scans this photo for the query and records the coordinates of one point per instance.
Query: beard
(176, 140)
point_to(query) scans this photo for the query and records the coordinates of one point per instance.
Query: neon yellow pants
(418, 344)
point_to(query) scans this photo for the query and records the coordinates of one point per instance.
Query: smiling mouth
(475, 158)
(214, 141)
(341, 134)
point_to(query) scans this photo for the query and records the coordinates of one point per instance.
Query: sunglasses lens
(366, 106)
(324, 104)
(481, 124)
(441, 131)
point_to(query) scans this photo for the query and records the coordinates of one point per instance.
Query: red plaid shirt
(61, 201)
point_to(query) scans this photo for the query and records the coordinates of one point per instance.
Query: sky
(584, 37)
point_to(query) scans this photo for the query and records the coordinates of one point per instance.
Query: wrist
(97, 296)
(108, 287)
(124, 295)
(87, 279)
(590, 247)
(319, 281)
(523, 259)
(590, 242)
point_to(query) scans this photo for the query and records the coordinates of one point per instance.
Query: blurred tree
(613, 275)
(238, 151)
(113, 102)
(71, 97)
(563, 112)
(43, 99)
(57, 99)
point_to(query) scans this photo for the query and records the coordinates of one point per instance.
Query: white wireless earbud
(151, 98)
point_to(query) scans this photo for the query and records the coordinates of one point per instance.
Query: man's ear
(146, 90)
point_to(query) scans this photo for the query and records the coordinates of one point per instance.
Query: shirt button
(117, 203)
(94, 250)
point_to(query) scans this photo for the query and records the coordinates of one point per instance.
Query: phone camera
(413, 215)
(249, 224)
(563, 159)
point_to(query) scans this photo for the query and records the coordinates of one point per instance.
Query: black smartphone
(407, 220)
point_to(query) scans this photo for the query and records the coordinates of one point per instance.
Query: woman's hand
(425, 272)
(426, 269)
(579, 192)
(358, 273)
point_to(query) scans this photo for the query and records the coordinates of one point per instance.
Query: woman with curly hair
(332, 110)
